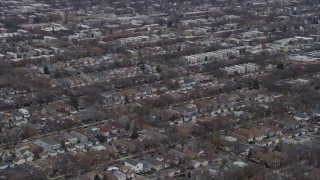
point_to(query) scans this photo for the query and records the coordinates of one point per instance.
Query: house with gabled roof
(48, 143)
(136, 165)
(177, 153)
(154, 163)
(66, 138)
(82, 138)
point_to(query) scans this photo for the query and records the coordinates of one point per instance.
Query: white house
(134, 164)
(154, 163)
(301, 117)
(19, 161)
(24, 112)
(194, 164)
(120, 175)
(49, 144)
(79, 146)
(3, 165)
(98, 147)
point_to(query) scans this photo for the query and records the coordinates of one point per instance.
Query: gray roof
(152, 161)
(152, 177)
(132, 161)
(315, 111)
(118, 174)
(176, 153)
(77, 135)
(50, 141)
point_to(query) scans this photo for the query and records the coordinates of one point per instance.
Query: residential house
(3, 165)
(177, 153)
(18, 161)
(25, 113)
(52, 153)
(155, 164)
(155, 136)
(203, 162)
(43, 165)
(136, 165)
(43, 155)
(194, 164)
(79, 146)
(301, 117)
(167, 160)
(82, 138)
(58, 106)
(287, 124)
(48, 143)
(240, 164)
(185, 113)
(117, 126)
(270, 130)
(98, 147)
(167, 173)
(66, 138)
(226, 145)
(61, 151)
(146, 167)
(89, 144)
(315, 114)
(312, 127)
(103, 130)
(123, 146)
(119, 175)
(26, 151)
(242, 133)
(265, 158)
(193, 152)
(129, 172)
(71, 148)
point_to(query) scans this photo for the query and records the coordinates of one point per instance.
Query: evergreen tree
(250, 154)
(140, 55)
(142, 111)
(170, 23)
(105, 177)
(74, 102)
(117, 63)
(284, 29)
(159, 69)
(46, 70)
(134, 134)
(101, 138)
(280, 66)
(97, 177)
(189, 174)
(143, 67)
(126, 99)
(315, 21)
(175, 85)
(256, 84)
(127, 126)
(63, 145)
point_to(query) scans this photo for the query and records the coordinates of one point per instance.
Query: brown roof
(243, 132)
(256, 132)
(86, 133)
(268, 127)
(266, 157)
(59, 104)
